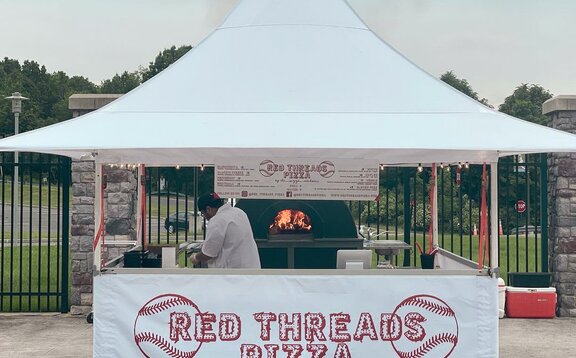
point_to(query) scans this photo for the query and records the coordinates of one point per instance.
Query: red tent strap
(483, 237)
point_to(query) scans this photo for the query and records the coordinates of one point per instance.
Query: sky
(496, 45)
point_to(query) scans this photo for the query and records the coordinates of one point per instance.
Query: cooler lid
(531, 289)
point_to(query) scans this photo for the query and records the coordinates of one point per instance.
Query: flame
(290, 220)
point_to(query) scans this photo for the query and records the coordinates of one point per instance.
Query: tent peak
(293, 12)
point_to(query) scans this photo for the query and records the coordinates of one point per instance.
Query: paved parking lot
(62, 335)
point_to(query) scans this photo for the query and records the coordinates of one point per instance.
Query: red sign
(520, 206)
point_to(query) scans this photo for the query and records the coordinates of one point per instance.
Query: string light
(381, 166)
(441, 165)
(459, 165)
(466, 165)
(448, 168)
(420, 168)
(202, 167)
(178, 167)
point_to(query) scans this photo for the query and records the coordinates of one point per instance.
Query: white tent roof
(293, 78)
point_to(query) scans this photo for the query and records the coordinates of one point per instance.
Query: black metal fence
(34, 259)
(34, 255)
(402, 212)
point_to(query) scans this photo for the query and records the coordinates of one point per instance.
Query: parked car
(526, 229)
(181, 221)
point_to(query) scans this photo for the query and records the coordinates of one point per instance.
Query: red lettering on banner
(416, 332)
(285, 326)
(180, 323)
(365, 328)
(314, 323)
(230, 327)
(342, 351)
(390, 327)
(293, 350)
(271, 350)
(404, 328)
(203, 332)
(338, 329)
(250, 351)
(317, 350)
(265, 318)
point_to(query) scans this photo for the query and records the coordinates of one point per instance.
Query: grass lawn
(34, 272)
(34, 198)
(515, 254)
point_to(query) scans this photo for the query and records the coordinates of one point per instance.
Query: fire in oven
(290, 222)
(300, 233)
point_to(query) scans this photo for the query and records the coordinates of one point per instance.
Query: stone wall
(81, 236)
(562, 207)
(120, 197)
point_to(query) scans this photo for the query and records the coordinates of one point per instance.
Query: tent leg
(435, 207)
(97, 218)
(494, 218)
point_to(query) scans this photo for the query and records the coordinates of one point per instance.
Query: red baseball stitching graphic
(431, 306)
(161, 306)
(162, 344)
(432, 328)
(149, 340)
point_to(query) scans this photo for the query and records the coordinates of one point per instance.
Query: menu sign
(297, 178)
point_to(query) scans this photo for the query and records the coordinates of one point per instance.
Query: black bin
(134, 258)
(529, 279)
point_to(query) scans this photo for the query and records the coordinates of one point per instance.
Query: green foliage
(462, 85)
(458, 210)
(121, 84)
(48, 94)
(163, 60)
(526, 103)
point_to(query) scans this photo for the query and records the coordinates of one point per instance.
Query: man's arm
(198, 257)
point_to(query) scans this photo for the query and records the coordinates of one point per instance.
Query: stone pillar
(562, 207)
(119, 197)
(81, 104)
(81, 236)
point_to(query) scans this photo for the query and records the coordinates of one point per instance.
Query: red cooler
(530, 302)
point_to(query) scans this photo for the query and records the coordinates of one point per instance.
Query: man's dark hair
(211, 199)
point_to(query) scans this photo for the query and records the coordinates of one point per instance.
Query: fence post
(65, 172)
(407, 211)
(544, 209)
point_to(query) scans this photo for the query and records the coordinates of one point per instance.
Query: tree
(463, 86)
(48, 94)
(163, 60)
(121, 84)
(526, 103)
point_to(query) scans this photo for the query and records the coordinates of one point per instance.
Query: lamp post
(16, 99)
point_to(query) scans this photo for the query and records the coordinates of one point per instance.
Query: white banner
(296, 178)
(252, 316)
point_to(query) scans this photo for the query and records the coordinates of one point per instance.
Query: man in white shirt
(229, 241)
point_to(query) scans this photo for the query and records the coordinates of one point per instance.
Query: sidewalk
(58, 335)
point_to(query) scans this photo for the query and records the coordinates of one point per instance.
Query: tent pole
(494, 218)
(139, 238)
(435, 206)
(97, 218)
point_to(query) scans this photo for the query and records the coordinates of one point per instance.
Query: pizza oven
(300, 233)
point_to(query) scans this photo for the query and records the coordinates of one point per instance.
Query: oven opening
(290, 222)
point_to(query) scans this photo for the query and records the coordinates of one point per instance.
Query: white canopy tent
(292, 78)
